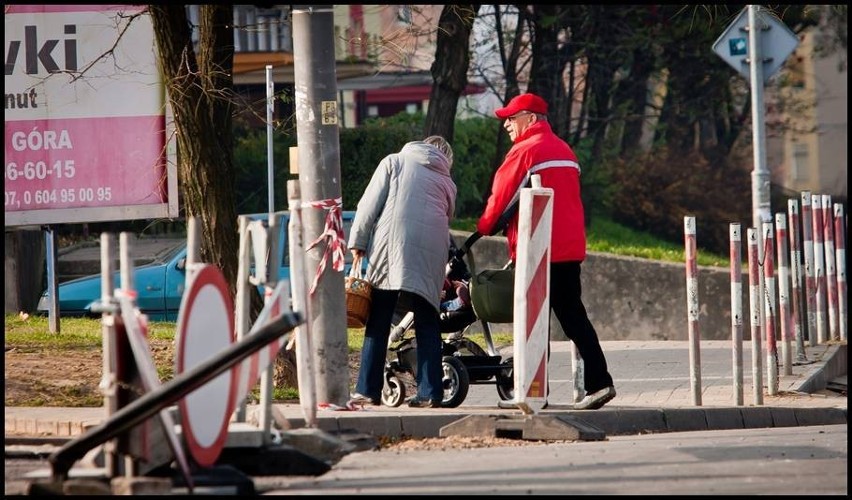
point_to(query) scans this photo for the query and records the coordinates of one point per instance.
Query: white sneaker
(360, 399)
(597, 399)
(507, 405)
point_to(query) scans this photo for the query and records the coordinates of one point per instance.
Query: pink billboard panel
(85, 117)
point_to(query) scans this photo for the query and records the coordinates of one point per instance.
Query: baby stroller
(464, 362)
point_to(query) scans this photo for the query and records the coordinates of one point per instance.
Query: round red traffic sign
(205, 328)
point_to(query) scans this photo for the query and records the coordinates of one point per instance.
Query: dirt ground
(71, 376)
(63, 376)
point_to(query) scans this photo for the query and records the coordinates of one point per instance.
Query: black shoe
(597, 399)
(416, 402)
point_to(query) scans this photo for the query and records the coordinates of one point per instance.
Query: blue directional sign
(738, 46)
(776, 40)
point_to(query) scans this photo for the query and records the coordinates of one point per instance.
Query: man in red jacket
(537, 150)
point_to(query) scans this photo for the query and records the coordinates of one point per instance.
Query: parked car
(160, 284)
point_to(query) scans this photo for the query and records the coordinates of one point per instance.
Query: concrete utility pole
(319, 181)
(760, 199)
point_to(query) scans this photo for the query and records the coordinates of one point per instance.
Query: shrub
(653, 193)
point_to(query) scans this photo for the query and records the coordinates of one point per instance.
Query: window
(799, 167)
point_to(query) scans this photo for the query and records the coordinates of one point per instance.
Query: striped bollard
(830, 272)
(692, 309)
(840, 257)
(577, 374)
(754, 309)
(532, 297)
(737, 310)
(819, 270)
(784, 293)
(797, 313)
(305, 374)
(810, 282)
(769, 308)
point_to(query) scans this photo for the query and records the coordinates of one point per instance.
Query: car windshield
(169, 254)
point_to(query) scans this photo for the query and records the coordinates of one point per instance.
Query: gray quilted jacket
(403, 221)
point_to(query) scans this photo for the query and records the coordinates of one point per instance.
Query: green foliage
(251, 165)
(474, 150)
(655, 192)
(362, 148)
(649, 194)
(607, 236)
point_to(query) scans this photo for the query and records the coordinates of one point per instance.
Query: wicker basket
(358, 291)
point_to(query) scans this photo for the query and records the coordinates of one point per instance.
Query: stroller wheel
(506, 381)
(456, 382)
(393, 393)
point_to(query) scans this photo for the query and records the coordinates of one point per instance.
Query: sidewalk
(652, 379)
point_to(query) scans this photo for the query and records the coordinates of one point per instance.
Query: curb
(613, 420)
(834, 363)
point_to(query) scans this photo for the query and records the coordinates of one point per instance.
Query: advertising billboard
(86, 123)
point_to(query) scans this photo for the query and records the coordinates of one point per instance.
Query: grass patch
(82, 333)
(606, 236)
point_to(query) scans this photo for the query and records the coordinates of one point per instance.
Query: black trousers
(567, 304)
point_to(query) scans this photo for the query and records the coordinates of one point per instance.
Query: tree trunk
(24, 265)
(449, 71)
(548, 66)
(633, 92)
(199, 91)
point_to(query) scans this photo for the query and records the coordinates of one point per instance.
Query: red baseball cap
(523, 102)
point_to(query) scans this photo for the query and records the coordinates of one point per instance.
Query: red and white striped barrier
(810, 282)
(532, 298)
(754, 308)
(769, 308)
(840, 257)
(251, 368)
(819, 270)
(737, 311)
(830, 272)
(797, 312)
(692, 308)
(784, 293)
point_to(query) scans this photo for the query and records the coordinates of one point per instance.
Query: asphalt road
(783, 461)
(809, 460)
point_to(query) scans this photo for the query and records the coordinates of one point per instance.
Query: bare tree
(199, 85)
(449, 70)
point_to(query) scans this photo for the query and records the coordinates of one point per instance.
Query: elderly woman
(403, 224)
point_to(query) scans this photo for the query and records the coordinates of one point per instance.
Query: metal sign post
(756, 35)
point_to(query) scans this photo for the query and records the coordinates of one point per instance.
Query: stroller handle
(465, 248)
(457, 254)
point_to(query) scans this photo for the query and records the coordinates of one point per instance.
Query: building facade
(812, 153)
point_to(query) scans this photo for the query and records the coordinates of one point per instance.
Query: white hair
(442, 145)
